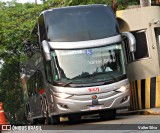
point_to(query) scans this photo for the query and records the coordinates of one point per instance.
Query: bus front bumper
(69, 106)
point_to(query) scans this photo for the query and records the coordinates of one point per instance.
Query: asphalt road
(122, 124)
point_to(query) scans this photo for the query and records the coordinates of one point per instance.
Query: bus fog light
(124, 99)
(63, 95)
(64, 106)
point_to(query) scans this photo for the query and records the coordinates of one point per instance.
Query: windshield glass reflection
(88, 65)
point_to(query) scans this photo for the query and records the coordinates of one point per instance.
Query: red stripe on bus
(41, 91)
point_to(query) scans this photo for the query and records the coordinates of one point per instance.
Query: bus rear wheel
(34, 121)
(41, 121)
(108, 114)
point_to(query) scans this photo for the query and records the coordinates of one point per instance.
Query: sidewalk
(152, 111)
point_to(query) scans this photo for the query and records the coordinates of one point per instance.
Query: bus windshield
(88, 65)
(80, 24)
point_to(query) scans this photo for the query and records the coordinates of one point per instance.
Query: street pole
(145, 3)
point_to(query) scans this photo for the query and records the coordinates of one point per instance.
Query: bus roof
(75, 7)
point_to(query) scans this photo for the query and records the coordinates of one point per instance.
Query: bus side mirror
(46, 50)
(131, 41)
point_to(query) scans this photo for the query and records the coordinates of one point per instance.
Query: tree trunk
(114, 5)
(36, 2)
(145, 3)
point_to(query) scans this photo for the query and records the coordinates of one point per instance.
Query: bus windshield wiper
(112, 80)
(65, 84)
(83, 76)
(115, 79)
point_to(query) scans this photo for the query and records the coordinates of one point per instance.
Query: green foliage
(16, 23)
(84, 2)
(11, 92)
(122, 4)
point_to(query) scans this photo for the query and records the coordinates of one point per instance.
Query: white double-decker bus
(76, 65)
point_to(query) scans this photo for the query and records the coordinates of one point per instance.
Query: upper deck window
(80, 23)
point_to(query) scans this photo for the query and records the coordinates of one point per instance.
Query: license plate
(95, 107)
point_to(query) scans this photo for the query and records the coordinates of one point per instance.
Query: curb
(153, 111)
(126, 113)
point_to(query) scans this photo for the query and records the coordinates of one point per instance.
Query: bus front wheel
(108, 114)
(53, 120)
(74, 118)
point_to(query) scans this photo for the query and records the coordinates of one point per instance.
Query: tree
(16, 23)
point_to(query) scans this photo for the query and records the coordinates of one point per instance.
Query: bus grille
(89, 97)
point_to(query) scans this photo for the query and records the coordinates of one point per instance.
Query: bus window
(129, 57)
(42, 29)
(39, 81)
(48, 72)
(99, 63)
(33, 85)
(70, 25)
(29, 87)
(141, 44)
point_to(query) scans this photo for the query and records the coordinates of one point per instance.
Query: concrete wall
(142, 19)
(144, 74)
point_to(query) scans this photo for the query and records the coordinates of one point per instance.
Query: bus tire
(108, 114)
(41, 121)
(34, 121)
(74, 118)
(48, 120)
(53, 120)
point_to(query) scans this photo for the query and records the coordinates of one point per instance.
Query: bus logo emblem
(94, 97)
(93, 89)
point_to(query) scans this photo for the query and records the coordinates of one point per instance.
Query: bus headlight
(63, 95)
(122, 88)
